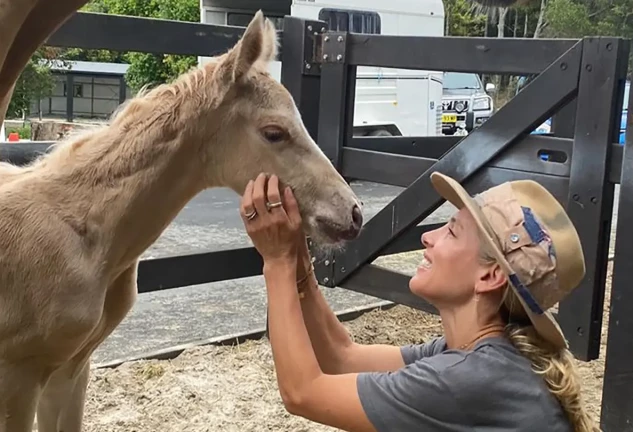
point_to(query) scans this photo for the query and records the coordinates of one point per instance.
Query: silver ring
(251, 216)
(273, 205)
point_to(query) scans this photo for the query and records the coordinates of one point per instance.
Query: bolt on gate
(579, 82)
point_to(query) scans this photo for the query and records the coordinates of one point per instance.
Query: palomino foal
(74, 223)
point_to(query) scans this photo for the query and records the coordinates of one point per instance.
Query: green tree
(35, 82)
(580, 18)
(152, 69)
(568, 19)
(145, 69)
(462, 19)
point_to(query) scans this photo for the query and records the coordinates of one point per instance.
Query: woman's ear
(491, 278)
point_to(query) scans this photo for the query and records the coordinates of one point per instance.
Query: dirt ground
(233, 388)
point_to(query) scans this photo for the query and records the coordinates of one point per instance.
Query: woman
(504, 258)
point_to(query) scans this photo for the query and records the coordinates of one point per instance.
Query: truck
(466, 104)
(388, 101)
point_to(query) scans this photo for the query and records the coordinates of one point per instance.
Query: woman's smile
(425, 264)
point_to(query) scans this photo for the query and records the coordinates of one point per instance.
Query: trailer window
(351, 21)
(243, 19)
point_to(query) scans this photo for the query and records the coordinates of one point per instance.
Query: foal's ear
(250, 47)
(271, 42)
(255, 45)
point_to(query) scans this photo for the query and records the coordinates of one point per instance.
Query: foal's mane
(164, 104)
(164, 108)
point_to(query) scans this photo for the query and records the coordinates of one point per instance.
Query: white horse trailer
(388, 101)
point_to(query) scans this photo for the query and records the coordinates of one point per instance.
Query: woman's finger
(292, 208)
(278, 212)
(274, 197)
(246, 206)
(259, 195)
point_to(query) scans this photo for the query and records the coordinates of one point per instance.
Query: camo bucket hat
(534, 242)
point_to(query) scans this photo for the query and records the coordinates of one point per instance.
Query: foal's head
(262, 131)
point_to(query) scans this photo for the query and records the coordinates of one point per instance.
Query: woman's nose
(425, 239)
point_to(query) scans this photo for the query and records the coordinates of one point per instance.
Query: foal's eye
(274, 134)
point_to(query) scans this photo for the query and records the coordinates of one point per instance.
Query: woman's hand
(273, 223)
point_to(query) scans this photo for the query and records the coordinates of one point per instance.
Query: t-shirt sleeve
(413, 353)
(413, 398)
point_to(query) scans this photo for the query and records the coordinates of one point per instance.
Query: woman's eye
(274, 134)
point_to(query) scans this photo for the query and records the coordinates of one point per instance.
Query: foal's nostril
(357, 217)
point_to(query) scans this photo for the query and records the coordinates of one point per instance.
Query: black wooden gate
(579, 82)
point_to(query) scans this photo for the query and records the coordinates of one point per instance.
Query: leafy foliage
(145, 69)
(35, 82)
(579, 18)
(567, 18)
(462, 19)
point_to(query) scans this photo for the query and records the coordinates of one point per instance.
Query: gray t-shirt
(491, 388)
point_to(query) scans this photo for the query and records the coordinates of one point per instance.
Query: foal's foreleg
(20, 387)
(61, 406)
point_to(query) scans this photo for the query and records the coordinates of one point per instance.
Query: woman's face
(450, 271)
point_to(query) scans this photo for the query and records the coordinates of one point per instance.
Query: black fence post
(590, 205)
(301, 75)
(564, 121)
(617, 390)
(70, 97)
(338, 86)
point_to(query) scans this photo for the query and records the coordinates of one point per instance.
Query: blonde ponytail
(558, 370)
(556, 366)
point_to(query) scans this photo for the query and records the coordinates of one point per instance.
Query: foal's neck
(136, 175)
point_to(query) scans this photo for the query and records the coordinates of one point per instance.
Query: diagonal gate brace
(551, 90)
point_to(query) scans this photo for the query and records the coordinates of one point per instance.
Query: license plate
(449, 118)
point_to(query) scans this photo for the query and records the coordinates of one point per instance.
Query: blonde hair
(555, 365)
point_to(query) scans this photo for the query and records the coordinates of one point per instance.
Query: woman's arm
(346, 401)
(333, 347)
(305, 390)
(415, 397)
